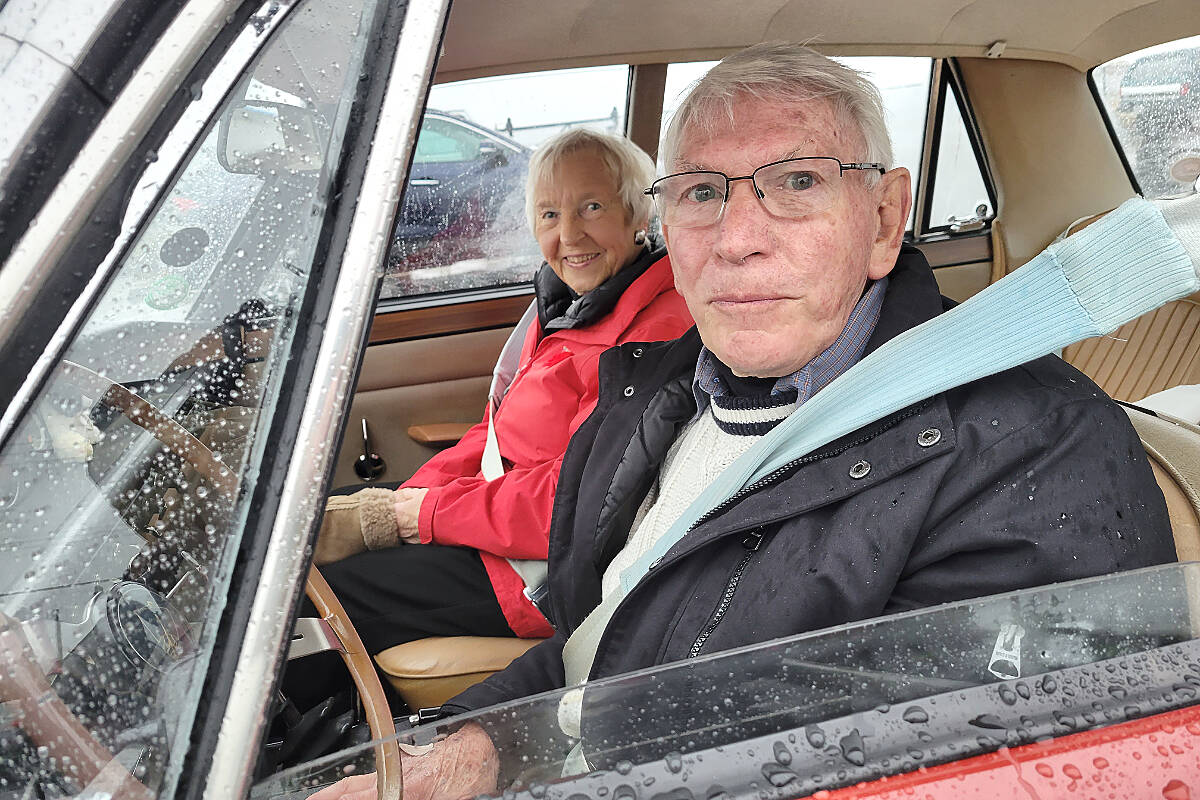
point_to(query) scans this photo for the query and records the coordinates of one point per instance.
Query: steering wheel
(49, 723)
(389, 778)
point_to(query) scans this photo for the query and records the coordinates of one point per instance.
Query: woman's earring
(639, 237)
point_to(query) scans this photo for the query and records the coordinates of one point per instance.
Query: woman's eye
(592, 209)
(549, 214)
(798, 181)
(701, 193)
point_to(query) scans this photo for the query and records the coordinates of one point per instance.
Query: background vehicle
(463, 198)
(1160, 106)
(170, 424)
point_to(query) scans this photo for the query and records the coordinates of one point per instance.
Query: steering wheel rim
(389, 777)
(47, 721)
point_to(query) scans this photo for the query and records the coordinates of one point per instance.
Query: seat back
(1173, 448)
(1156, 351)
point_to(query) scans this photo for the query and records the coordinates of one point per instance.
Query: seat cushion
(428, 672)
(1173, 448)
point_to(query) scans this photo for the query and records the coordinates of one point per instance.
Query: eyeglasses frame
(654, 193)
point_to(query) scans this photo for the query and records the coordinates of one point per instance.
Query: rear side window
(462, 220)
(1152, 99)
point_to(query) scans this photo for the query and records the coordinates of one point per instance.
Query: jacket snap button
(929, 437)
(654, 564)
(860, 470)
(637, 352)
(629, 391)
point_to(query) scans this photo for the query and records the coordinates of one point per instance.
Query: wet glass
(851, 703)
(462, 219)
(1152, 100)
(124, 488)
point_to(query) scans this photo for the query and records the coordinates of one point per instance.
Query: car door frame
(337, 308)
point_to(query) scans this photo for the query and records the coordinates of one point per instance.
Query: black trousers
(394, 596)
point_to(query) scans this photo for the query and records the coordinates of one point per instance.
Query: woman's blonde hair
(631, 169)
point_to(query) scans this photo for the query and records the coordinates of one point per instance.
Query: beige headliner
(486, 37)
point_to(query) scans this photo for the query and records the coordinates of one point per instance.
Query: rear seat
(1156, 351)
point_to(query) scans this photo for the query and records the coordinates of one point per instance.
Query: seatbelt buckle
(540, 597)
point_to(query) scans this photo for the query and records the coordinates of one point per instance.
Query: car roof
(1079, 33)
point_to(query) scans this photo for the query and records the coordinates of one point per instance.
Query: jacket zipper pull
(753, 540)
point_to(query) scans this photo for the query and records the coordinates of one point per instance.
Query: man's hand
(462, 765)
(407, 503)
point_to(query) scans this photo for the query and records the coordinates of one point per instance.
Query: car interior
(1017, 121)
(1015, 79)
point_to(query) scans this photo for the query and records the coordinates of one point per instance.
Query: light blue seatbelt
(1090, 284)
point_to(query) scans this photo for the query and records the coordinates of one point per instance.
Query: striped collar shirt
(756, 416)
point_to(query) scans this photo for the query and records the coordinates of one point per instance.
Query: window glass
(1152, 98)
(124, 488)
(903, 83)
(960, 197)
(830, 708)
(462, 220)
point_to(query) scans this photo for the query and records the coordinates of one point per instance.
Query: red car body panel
(1153, 757)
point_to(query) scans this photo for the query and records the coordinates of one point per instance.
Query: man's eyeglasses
(791, 188)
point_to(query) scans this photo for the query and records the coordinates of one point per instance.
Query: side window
(903, 83)
(959, 201)
(442, 141)
(126, 484)
(462, 220)
(1152, 100)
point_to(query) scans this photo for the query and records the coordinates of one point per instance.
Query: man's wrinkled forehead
(794, 128)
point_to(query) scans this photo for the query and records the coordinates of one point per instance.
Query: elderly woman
(479, 512)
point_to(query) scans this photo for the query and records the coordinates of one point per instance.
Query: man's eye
(798, 181)
(701, 193)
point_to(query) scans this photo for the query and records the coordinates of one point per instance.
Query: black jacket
(1028, 477)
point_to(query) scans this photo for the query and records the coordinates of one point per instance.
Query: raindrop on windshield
(852, 748)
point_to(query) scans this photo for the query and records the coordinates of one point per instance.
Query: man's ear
(893, 194)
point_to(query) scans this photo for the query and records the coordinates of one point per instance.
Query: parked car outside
(1160, 107)
(461, 202)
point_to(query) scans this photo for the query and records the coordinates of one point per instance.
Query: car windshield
(847, 704)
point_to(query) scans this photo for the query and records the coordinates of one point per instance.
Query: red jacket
(552, 392)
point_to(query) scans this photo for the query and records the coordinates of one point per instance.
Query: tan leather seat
(428, 672)
(1173, 448)
(1156, 351)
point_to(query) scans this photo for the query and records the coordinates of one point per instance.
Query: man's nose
(743, 223)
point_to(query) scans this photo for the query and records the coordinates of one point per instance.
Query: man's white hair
(631, 169)
(784, 72)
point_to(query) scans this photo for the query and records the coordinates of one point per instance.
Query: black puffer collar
(559, 308)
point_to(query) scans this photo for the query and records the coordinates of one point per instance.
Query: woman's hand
(407, 503)
(464, 764)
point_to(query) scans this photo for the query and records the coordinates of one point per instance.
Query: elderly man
(785, 224)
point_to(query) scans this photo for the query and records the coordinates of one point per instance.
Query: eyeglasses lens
(788, 189)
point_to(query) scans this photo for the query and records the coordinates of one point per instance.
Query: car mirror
(266, 132)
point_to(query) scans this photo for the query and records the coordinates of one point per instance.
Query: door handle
(424, 182)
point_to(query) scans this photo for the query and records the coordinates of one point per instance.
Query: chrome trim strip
(924, 181)
(263, 647)
(313, 635)
(121, 130)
